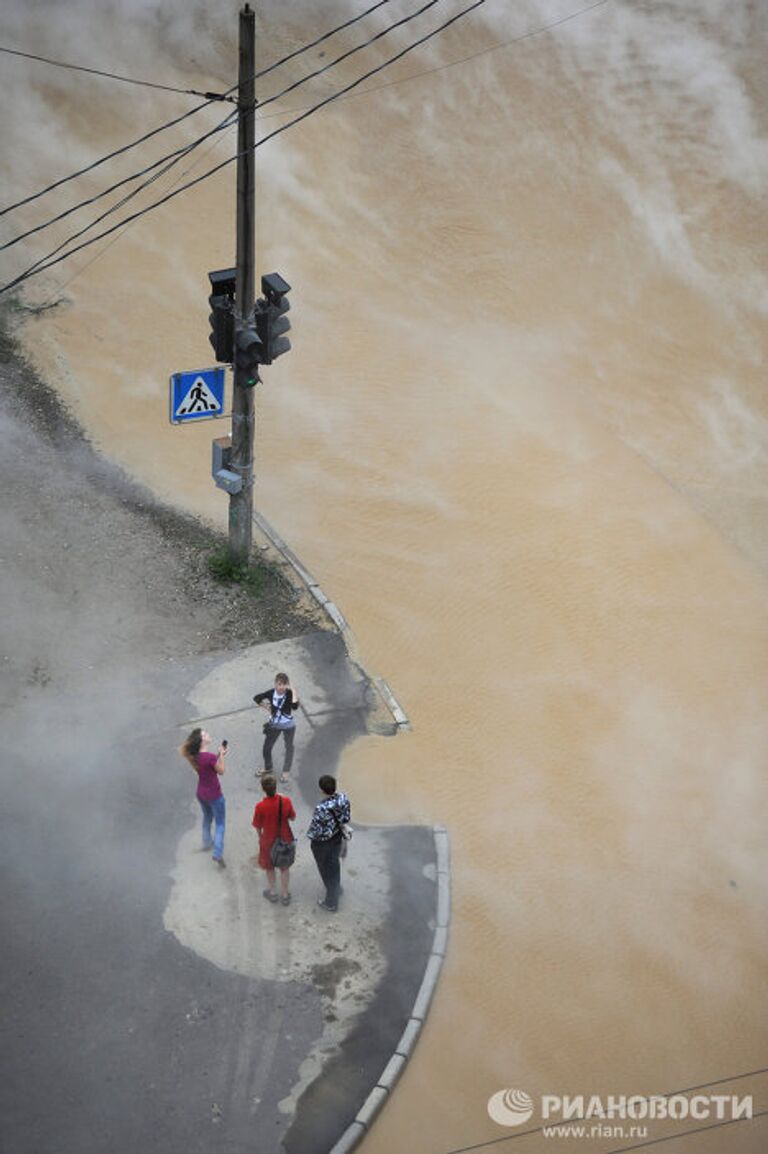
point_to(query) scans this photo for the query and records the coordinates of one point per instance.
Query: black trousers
(270, 737)
(327, 855)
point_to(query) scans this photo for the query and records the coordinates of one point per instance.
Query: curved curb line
(398, 713)
(357, 1130)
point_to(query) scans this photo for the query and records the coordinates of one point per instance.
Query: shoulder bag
(282, 853)
(346, 835)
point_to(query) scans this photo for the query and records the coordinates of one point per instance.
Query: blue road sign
(197, 395)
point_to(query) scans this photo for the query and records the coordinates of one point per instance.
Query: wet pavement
(359, 970)
(157, 1002)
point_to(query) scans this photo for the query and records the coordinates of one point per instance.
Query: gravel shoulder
(98, 510)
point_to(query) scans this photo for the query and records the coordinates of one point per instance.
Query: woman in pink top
(209, 768)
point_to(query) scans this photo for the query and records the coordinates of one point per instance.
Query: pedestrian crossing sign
(197, 395)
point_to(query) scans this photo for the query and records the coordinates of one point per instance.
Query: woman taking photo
(209, 767)
(270, 818)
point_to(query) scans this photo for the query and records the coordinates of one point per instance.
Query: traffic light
(271, 321)
(222, 320)
(248, 355)
(222, 316)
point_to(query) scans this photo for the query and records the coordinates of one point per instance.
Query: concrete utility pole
(243, 418)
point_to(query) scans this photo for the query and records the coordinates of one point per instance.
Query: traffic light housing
(271, 321)
(222, 315)
(248, 355)
(261, 339)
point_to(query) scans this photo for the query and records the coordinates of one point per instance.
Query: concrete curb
(357, 1130)
(399, 716)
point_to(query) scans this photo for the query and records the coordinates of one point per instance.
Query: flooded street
(522, 441)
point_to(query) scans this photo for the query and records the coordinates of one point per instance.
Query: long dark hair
(191, 747)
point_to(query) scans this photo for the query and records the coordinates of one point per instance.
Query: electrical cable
(118, 235)
(669, 1094)
(271, 99)
(187, 91)
(687, 1133)
(270, 136)
(620, 1149)
(104, 159)
(454, 63)
(346, 55)
(108, 75)
(188, 148)
(210, 99)
(172, 161)
(320, 39)
(179, 152)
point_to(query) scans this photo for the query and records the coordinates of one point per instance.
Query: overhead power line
(453, 63)
(182, 151)
(667, 1094)
(619, 1149)
(110, 75)
(686, 1133)
(350, 52)
(210, 99)
(177, 153)
(46, 263)
(103, 159)
(187, 91)
(172, 161)
(121, 232)
(377, 88)
(341, 96)
(320, 40)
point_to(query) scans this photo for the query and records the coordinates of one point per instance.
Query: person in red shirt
(274, 806)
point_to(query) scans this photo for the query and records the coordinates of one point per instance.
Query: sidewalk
(366, 963)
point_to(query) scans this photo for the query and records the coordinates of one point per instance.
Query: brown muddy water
(522, 440)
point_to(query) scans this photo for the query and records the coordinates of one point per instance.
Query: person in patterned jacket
(325, 834)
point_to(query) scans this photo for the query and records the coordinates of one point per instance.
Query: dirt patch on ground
(327, 976)
(111, 521)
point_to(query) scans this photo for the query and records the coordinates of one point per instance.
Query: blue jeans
(214, 811)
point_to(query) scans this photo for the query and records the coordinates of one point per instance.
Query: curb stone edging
(357, 1130)
(350, 1138)
(399, 715)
